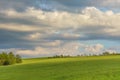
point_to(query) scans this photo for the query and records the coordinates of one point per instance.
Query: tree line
(67, 56)
(9, 58)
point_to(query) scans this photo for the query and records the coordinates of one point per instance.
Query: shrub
(18, 59)
(9, 59)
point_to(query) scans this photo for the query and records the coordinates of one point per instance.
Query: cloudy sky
(37, 28)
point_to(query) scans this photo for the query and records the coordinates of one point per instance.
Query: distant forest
(103, 54)
(9, 58)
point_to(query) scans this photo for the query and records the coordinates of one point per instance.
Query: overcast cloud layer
(36, 28)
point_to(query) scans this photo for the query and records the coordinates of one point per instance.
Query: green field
(76, 68)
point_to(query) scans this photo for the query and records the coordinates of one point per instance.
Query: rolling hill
(74, 68)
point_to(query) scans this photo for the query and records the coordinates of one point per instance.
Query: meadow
(73, 68)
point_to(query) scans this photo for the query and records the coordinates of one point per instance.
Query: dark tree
(106, 53)
(18, 59)
(12, 58)
(5, 59)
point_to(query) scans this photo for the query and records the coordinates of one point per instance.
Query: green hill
(76, 68)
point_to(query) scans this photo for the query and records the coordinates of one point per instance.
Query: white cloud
(111, 51)
(38, 51)
(51, 28)
(55, 43)
(55, 48)
(57, 20)
(67, 49)
(94, 49)
(17, 27)
(73, 49)
(34, 36)
(111, 3)
(90, 22)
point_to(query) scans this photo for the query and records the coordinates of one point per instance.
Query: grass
(76, 68)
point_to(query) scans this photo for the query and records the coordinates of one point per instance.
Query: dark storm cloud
(102, 4)
(88, 33)
(16, 39)
(69, 5)
(19, 5)
(23, 20)
(11, 39)
(22, 4)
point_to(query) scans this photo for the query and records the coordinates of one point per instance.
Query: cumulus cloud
(64, 5)
(73, 49)
(94, 49)
(34, 36)
(111, 3)
(69, 48)
(33, 53)
(52, 32)
(89, 18)
(102, 4)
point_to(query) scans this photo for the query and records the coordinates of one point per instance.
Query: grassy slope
(80, 68)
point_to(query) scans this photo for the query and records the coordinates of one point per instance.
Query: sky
(40, 28)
